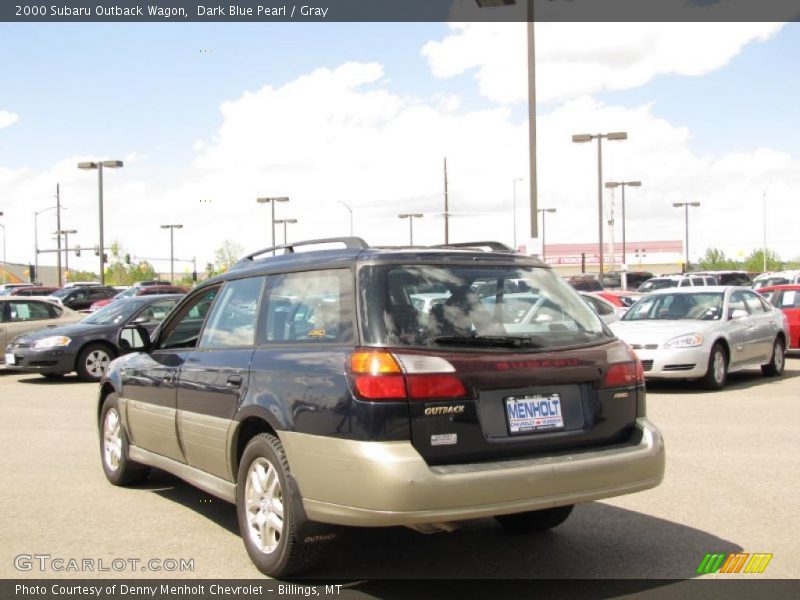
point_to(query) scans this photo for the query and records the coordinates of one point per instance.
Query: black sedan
(89, 345)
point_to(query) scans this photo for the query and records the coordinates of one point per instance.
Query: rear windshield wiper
(489, 340)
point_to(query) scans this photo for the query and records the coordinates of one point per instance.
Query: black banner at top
(264, 11)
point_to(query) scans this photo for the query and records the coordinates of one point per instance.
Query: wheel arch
(114, 350)
(249, 424)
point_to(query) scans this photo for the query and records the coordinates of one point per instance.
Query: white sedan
(704, 333)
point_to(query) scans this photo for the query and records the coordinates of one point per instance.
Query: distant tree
(754, 262)
(715, 260)
(73, 275)
(226, 256)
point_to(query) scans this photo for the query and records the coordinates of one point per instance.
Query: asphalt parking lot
(732, 484)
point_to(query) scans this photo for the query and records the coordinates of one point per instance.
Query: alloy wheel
(264, 505)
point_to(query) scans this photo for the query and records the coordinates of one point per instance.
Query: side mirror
(738, 313)
(134, 338)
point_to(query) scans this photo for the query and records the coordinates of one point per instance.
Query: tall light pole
(543, 211)
(4, 250)
(514, 184)
(623, 185)
(285, 222)
(66, 233)
(172, 229)
(764, 200)
(108, 164)
(350, 210)
(686, 206)
(588, 137)
(531, 53)
(36, 233)
(272, 202)
(410, 217)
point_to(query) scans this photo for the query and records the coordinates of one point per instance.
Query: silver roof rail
(349, 242)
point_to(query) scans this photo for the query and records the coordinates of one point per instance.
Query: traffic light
(105, 257)
(127, 259)
(194, 276)
(32, 273)
(77, 251)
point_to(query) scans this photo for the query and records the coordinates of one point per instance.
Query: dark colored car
(81, 298)
(585, 282)
(88, 346)
(37, 290)
(150, 289)
(309, 390)
(613, 279)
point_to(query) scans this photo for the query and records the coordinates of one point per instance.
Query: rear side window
(698, 281)
(232, 322)
(753, 303)
(788, 299)
(311, 307)
(28, 311)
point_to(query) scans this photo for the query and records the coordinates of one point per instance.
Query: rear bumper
(348, 482)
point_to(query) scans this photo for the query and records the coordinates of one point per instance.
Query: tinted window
(551, 312)
(601, 307)
(656, 284)
(311, 307)
(184, 331)
(232, 321)
(698, 281)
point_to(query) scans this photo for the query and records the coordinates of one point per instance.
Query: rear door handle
(235, 381)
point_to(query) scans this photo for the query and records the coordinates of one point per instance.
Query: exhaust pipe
(434, 527)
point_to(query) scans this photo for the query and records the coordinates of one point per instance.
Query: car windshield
(125, 293)
(441, 305)
(656, 284)
(61, 293)
(113, 314)
(705, 306)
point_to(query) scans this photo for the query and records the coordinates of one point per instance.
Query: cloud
(575, 59)
(7, 118)
(340, 135)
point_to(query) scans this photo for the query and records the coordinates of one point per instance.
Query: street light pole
(36, 214)
(623, 185)
(543, 212)
(58, 227)
(111, 164)
(764, 200)
(285, 221)
(410, 217)
(172, 229)
(686, 206)
(66, 233)
(516, 179)
(587, 137)
(350, 210)
(4, 250)
(272, 201)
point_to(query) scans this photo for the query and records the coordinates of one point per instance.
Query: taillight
(380, 375)
(623, 374)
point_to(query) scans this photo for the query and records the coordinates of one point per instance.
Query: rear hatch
(499, 375)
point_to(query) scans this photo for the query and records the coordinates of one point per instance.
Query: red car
(787, 298)
(34, 290)
(148, 290)
(619, 298)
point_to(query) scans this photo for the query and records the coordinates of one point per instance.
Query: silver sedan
(705, 333)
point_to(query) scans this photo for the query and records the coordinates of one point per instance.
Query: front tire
(118, 467)
(535, 520)
(774, 368)
(717, 374)
(266, 509)
(93, 360)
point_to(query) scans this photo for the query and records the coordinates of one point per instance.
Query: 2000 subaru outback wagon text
(312, 391)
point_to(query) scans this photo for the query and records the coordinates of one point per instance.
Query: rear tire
(774, 368)
(717, 374)
(535, 520)
(118, 467)
(266, 507)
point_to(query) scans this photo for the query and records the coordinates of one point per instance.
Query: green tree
(226, 256)
(754, 262)
(73, 275)
(715, 260)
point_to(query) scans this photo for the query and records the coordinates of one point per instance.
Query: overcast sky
(208, 117)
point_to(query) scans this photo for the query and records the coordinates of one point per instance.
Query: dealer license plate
(10, 359)
(530, 414)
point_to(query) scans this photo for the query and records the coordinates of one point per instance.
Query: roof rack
(349, 242)
(492, 246)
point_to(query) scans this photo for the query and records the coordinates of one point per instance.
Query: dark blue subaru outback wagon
(370, 386)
